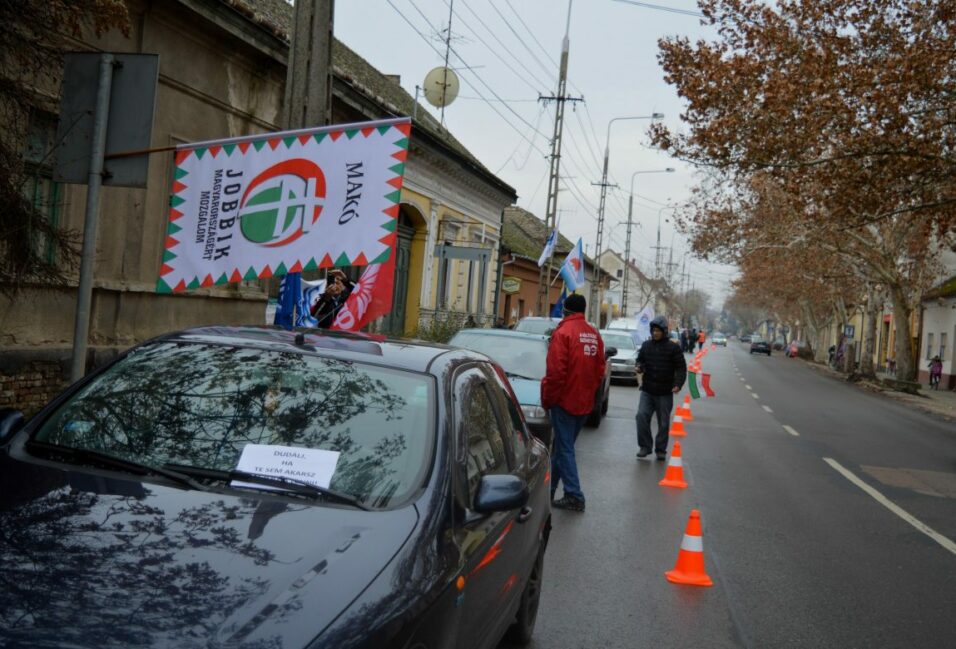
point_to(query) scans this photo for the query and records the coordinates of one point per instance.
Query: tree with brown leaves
(842, 113)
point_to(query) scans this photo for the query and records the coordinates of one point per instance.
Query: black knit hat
(575, 303)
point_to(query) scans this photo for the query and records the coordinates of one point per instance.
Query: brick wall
(31, 378)
(27, 383)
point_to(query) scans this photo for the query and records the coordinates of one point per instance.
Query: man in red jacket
(575, 369)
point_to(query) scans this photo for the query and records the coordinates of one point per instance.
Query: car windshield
(540, 326)
(517, 355)
(621, 341)
(199, 405)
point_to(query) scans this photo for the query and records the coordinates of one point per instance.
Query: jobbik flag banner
(254, 207)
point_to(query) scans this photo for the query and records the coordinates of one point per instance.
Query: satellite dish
(441, 86)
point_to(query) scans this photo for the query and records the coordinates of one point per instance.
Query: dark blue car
(256, 488)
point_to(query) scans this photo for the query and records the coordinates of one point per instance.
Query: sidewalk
(937, 402)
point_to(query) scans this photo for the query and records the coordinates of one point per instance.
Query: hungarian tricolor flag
(692, 385)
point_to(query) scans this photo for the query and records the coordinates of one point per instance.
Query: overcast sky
(613, 65)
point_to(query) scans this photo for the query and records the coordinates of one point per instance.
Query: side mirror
(11, 421)
(609, 352)
(500, 493)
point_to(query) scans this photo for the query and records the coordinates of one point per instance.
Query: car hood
(95, 560)
(624, 355)
(528, 391)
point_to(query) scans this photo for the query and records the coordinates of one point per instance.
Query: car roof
(506, 333)
(412, 355)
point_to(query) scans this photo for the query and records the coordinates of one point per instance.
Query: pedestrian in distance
(683, 341)
(701, 337)
(663, 370)
(575, 368)
(935, 372)
(338, 287)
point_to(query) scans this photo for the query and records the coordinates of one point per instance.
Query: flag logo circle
(282, 203)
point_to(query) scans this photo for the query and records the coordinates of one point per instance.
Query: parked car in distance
(624, 363)
(537, 325)
(249, 487)
(779, 344)
(759, 345)
(601, 398)
(719, 339)
(745, 338)
(795, 347)
(523, 357)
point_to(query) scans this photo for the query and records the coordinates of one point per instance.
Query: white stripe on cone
(676, 461)
(692, 543)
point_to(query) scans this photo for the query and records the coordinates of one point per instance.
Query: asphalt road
(800, 554)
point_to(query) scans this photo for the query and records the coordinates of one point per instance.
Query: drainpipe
(501, 232)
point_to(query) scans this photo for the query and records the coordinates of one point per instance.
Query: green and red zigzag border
(237, 275)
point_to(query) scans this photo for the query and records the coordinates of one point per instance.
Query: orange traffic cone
(690, 560)
(675, 470)
(684, 411)
(677, 427)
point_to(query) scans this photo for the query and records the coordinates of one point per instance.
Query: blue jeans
(650, 404)
(564, 467)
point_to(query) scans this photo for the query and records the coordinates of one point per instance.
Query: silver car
(624, 363)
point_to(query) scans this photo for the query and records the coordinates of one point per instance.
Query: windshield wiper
(520, 376)
(104, 460)
(292, 485)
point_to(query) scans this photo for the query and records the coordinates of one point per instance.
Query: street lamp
(627, 244)
(657, 249)
(600, 228)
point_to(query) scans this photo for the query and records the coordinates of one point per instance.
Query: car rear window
(199, 405)
(517, 355)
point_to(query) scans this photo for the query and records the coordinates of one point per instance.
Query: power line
(494, 50)
(673, 10)
(511, 28)
(519, 131)
(494, 35)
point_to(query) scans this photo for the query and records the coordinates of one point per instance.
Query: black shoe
(662, 456)
(644, 452)
(569, 503)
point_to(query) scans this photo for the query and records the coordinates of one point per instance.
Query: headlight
(533, 412)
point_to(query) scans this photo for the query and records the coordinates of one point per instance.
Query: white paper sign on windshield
(313, 465)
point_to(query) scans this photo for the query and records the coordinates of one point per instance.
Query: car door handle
(525, 514)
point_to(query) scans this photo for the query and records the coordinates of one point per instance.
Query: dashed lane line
(755, 395)
(767, 408)
(947, 543)
(748, 387)
(790, 430)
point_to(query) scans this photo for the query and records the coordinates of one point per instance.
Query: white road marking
(742, 379)
(748, 387)
(790, 430)
(754, 395)
(893, 507)
(767, 408)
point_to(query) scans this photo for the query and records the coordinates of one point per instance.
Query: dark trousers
(564, 465)
(650, 404)
(700, 345)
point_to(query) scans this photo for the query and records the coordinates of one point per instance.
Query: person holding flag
(662, 367)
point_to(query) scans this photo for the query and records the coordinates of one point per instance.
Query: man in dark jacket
(574, 371)
(663, 368)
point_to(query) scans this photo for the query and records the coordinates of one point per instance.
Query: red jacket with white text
(575, 366)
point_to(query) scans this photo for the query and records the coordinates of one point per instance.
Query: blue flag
(558, 310)
(290, 292)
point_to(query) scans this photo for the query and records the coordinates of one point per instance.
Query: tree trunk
(905, 367)
(867, 370)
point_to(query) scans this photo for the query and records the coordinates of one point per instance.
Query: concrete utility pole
(308, 85)
(627, 245)
(594, 299)
(551, 209)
